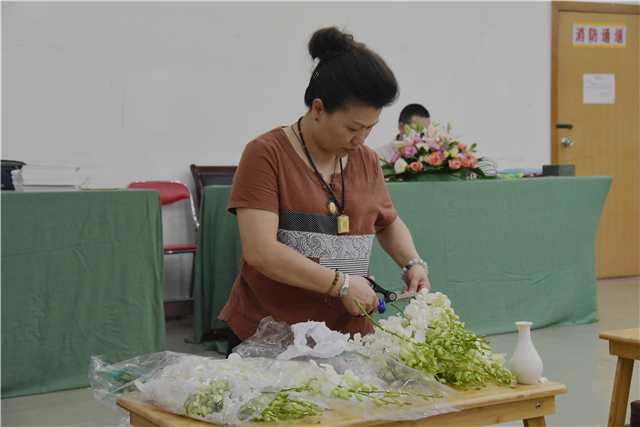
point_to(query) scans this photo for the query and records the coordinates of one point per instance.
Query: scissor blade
(406, 296)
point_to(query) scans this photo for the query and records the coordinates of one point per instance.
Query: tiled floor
(573, 355)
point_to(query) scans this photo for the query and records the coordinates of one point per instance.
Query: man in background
(409, 115)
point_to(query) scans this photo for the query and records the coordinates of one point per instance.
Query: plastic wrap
(110, 381)
(271, 339)
(236, 391)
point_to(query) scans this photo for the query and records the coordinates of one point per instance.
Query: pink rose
(460, 147)
(408, 151)
(455, 163)
(465, 162)
(396, 155)
(434, 159)
(417, 140)
(473, 161)
(416, 166)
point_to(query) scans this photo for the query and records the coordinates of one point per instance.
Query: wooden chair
(210, 175)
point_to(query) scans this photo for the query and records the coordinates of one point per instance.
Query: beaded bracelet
(333, 285)
(411, 264)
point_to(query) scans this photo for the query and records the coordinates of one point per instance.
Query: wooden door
(605, 137)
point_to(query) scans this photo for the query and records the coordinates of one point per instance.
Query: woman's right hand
(360, 289)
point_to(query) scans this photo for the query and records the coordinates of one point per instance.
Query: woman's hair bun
(348, 73)
(329, 42)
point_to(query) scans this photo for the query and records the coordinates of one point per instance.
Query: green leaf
(479, 172)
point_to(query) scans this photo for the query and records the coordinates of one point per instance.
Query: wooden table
(491, 405)
(624, 343)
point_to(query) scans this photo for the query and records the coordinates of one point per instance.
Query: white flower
(400, 165)
(408, 139)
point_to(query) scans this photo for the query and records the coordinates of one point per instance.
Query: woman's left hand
(416, 279)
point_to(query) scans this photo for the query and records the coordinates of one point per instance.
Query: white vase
(525, 362)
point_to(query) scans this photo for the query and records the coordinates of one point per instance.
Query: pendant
(343, 224)
(332, 208)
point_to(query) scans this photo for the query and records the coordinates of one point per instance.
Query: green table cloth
(81, 276)
(502, 250)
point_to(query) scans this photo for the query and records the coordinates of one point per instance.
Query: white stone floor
(573, 355)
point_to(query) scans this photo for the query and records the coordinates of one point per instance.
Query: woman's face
(343, 131)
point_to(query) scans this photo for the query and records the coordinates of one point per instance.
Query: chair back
(170, 192)
(7, 167)
(210, 175)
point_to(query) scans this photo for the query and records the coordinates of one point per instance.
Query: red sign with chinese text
(599, 35)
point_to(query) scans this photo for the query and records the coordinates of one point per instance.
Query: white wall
(140, 90)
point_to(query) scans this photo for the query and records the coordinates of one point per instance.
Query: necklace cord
(315, 169)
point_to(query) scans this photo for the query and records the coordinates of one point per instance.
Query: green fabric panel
(501, 250)
(504, 251)
(217, 259)
(82, 275)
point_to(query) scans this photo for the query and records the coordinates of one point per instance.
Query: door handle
(559, 126)
(566, 142)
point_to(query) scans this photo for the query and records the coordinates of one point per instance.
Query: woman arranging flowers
(310, 197)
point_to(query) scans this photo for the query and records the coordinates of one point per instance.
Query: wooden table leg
(620, 396)
(535, 422)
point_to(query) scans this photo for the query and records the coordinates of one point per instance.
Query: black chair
(7, 167)
(210, 175)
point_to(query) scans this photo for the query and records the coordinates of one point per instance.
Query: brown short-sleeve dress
(272, 176)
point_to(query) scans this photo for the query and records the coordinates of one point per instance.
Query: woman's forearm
(396, 241)
(276, 260)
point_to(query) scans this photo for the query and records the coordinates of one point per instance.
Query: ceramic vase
(525, 362)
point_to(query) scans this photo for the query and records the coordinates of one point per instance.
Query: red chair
(171, 192)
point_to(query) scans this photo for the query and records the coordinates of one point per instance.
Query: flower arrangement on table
(431, 150)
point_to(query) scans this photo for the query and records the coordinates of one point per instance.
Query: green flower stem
(453, 364)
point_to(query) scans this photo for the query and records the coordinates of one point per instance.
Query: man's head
(411, 114)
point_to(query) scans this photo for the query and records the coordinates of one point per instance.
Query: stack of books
(46, 178)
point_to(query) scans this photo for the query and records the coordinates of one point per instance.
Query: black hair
(348, 73)
(410, 111)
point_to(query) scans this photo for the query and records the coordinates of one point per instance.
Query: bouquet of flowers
(431, 150)
(429, 337)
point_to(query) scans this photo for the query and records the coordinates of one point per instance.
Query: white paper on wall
(598, 88)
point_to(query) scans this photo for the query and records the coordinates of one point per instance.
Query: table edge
(630, 335)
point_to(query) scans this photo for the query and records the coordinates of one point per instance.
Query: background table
(81, 276)
(624, 343)
(502, 250)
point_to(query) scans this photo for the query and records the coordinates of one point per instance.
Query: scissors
(389, 296)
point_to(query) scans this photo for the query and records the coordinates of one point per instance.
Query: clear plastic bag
(110, 381)
(236, 391)
(271, 339)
